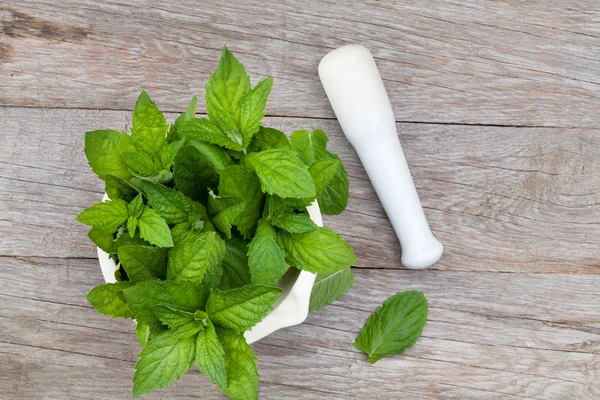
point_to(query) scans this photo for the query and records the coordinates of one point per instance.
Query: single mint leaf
(223, 210)
(104, 150)
(143, 262)
(136, 206)
(334, 197)
(183, 324)
(310, 146)
(107, 299)
(143, 296)
(239, 181)
(329, 287)
(185, 231)
(117, 188)
(268, 138)
(205, 130)
(154, 228)
(210, 356)
(192, 258)
(107, 216)
(282, 173)
(240, 309)
(164, 360)
(186, 116)
(319, 251)
(252, 110)
(394, 326)
(216, 156)
(143, 164)
(104, 240)
(295, 223)
(240, 362)
(323, 172)
(142, 333)
(149, 127)
(193, 174)
(167, 155)
(265, 258)
(235, 265)
(170, 204)
(132, 224)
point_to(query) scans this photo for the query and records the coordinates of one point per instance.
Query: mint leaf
(183, 324)
(185, 231)
(323, 172)
(107, 216)
(334, 198)
(142, 332)
(207, 131)
(104, 240)
(242, 372)
(149, 127)
(223, 210)
(210, 355)
(170, 204)
(265, 258)
(184, 117)
(319, 251)
(117, 188)
(329, 287)
(164, 360)
(310, 146)
(240, 309)
(216, 156)
(143, 262)
(239, 181)
(394, 326)
(154, 229)
(295, 223)
(108, 299)
(235, 265)
(193, 174)
(252, 110)
(143, 296)
(136, 206)
(104, 150)
(282, 173)
(192, 258)
(132, 224)
(268, 138)
(143, 164)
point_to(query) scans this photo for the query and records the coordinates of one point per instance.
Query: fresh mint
(204, 218)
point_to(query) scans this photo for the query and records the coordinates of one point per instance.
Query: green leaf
(239, 181)
(282, 173)
(107, 216)
(193, 174)
(207, 131)
(170, 204)
(136, 206)
(104, 150)
(319, 251)
(143, 262)
(210, 355)
(125, 239)
(242, 372)
(394, 326)
(164, 360)
(104, 240)
(185, 231)
(295, 223)
(216, 156)
(183, 324)
(143, 164)
(186, 116)
(117, 188)
(154, 229)
(310, 146)
(235, 264)
(142, 333)
(252, 110)
(334, 198)
(143, 296)
(223, 210)
(240, 309)
(132, 224)
(149, 127)
(329, 287)
(323, 172)
(265, 258)
(192, 258)
(107, 299)
(268, 138)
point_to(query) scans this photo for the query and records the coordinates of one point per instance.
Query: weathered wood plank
(475, 61)
(500, 199)
(488, 336)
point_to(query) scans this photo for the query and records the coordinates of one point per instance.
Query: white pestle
(356, 92)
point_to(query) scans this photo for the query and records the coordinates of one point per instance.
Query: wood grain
(483, 340)
(470, 62)
(500, 199)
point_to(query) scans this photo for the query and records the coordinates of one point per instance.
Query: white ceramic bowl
(290, 309)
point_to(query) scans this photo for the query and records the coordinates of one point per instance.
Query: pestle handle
(356, 93)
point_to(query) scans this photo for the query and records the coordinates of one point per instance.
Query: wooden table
(498, 109)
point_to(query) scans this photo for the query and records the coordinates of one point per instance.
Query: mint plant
(204, 218)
